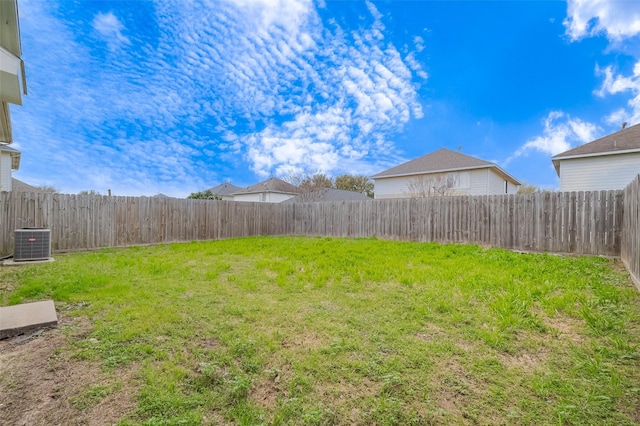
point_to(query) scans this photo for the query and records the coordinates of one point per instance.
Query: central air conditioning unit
(32, 244)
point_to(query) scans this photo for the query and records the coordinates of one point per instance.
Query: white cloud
(619, 21)
(617, 83)
(616, 117)
(561, 132)
(364, 87)
(615, 19)
(261, 81)
(416, 66)
(110, 29)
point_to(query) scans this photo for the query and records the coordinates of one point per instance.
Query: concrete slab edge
(8, 333)
(18, 319)
(11, 262)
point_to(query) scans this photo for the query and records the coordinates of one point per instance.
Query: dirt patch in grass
(630, 405)
(209, 343)
(431, 333)
(309, 341)
(526, 361)
(341, 397)
(566, 328)
(41, 384)
(265, 393)
(454, 387)
(347, 390)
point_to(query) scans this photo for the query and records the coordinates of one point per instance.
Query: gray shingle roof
(270, 185)
(225, 189)
(438, 161)
(442, 160)
(622, 140)
(20, 186)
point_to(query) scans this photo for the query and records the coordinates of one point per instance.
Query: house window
(506, 187)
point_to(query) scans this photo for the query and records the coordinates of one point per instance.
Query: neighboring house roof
(440, 161)
(15, 156)
(328, 194)
(225, 189)
(20, 186)
(620, 142)
(270, 185)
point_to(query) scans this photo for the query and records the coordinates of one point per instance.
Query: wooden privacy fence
(630, 248)
(569, 222)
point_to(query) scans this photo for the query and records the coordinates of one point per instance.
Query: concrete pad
(11, 262)
(17, 319)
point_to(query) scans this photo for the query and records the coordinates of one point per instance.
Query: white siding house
(606, 163)
(9, 161)
(11, 64)
(12, 86)
(272, 190)
(444, 172)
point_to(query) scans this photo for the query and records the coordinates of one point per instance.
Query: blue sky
(143, 97)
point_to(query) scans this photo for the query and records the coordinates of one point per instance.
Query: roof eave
(487, 166)
(265, 192)
(507, 175)
(594, 154)
(380, 176)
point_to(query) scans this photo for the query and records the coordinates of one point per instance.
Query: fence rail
(630, 247)
(561, 222)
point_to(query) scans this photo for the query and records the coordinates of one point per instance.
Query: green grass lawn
(338, 331)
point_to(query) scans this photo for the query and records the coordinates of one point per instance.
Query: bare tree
(47, 188)
(311, 187)
(433, 185)
(527, 188)
(294, 179)
(311, 194)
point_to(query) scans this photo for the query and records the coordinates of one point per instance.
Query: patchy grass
(337, 331)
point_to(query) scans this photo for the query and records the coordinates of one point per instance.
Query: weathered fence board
(582, 222)
(630, 245)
